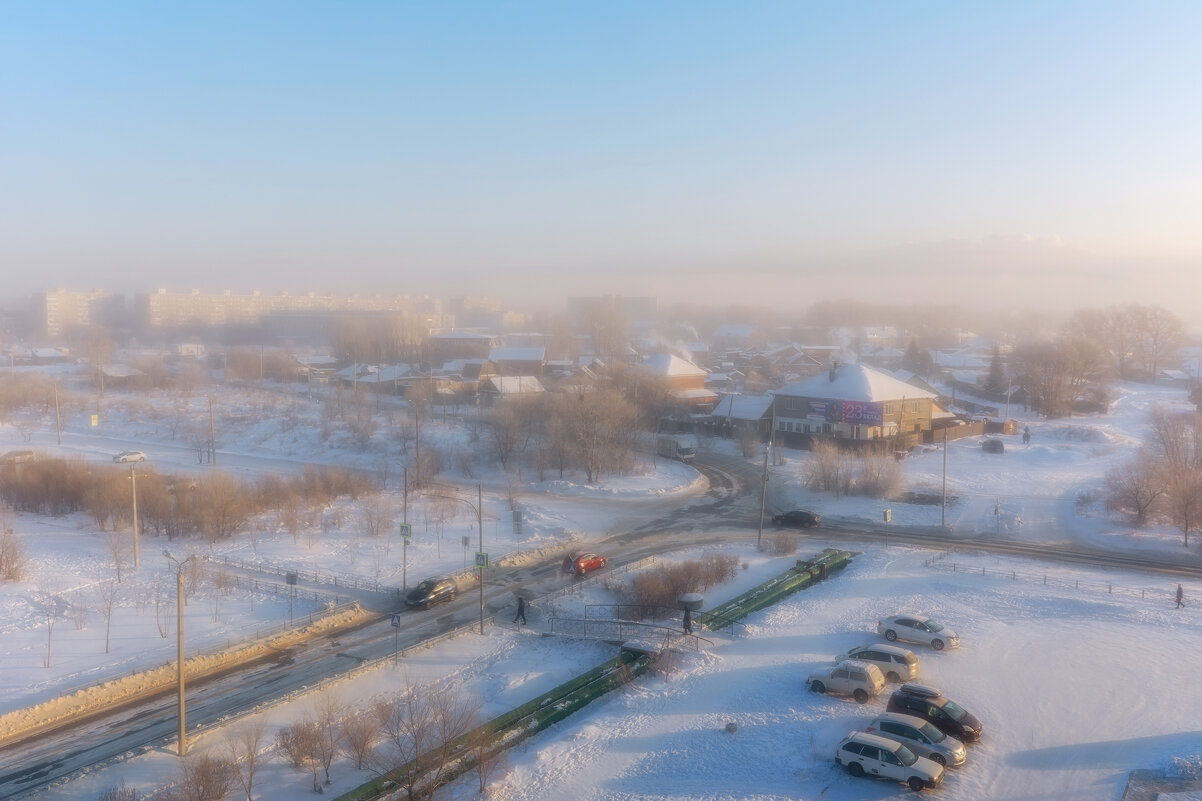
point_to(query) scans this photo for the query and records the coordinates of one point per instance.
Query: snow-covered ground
(1075, 686)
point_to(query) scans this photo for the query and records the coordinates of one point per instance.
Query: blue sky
(774, 152)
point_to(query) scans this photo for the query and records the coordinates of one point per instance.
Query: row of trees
(415, 738)
(595, 430)
(1070, 369)
(1164, 480)
(216, 505)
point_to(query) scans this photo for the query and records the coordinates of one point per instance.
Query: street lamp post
(477, 507)
(179, 625)
(763, 497)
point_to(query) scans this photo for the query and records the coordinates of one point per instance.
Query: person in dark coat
(688, 622)
(1180, 597)
(521, 615)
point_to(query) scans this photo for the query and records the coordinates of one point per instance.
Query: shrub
(664, 584)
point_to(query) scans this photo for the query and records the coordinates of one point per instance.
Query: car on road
(918, 628)
(865, 754)
(430, 592)
(583, 563)
(920, 736)
(130, 456)
(933, 706)
(798, 518)
(897, 664)
(18, 457)
(993, 446)
(860, 680)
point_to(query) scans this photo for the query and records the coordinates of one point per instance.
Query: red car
(582, 563)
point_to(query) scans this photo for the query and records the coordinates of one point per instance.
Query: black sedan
(798, 518)
(430, 592)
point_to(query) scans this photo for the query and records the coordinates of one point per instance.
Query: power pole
(58, 417)
(480, 526)
(763, 496)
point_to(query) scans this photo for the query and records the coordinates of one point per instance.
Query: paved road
(117, 734)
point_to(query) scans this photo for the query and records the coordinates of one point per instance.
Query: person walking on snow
(688, 622)
(1180, 597)
(521, 615)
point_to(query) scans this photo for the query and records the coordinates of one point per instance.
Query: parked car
(931, 705)
(860, 680)
(920, 736)
(897, 664)
(18, 457)
(130, 456)
(993, 446)
(865, 754)
(798, 518)
(582, 563)
(430, 592)
(918, 628)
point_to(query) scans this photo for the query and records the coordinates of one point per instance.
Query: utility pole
(405, 541)
(480, 526)
(763, 497)
(179, 625)
(943, 513)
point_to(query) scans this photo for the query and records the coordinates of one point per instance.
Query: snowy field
(1075, 686)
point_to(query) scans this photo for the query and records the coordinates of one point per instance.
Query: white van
(898, 664)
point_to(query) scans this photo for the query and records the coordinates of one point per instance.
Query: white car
(129, 456)
(920, 736)
(918, 628)
(860, 680)
(865, 754)
(897, 664)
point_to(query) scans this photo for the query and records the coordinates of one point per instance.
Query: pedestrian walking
(1026, 435)
(1180, 597)
(521, 615)
(688, 622)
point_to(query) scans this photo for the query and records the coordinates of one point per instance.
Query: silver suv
(920, 737)
(860, 680)
(866, 754)
(896, 663)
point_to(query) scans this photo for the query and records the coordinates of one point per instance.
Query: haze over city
(1027, 154)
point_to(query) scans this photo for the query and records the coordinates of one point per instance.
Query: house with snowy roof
(739, 415)
(684, 380)
(519, 361)
(853, 403)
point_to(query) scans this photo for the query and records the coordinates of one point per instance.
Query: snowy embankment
(155, 680)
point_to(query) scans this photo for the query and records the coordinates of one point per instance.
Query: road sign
(406, 531)
(481, 560)
(396, 621)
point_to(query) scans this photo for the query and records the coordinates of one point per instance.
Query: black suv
(431, 591)
(930, 704)
(798, 518)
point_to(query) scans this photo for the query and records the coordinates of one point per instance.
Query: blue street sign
(481, 560)
(396, 621)
(406, 531)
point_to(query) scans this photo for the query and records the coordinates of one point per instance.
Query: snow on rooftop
(668, 364)
(855, 382)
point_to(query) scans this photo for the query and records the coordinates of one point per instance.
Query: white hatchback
(918, 628)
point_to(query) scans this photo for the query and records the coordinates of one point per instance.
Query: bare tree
(359, 734)
(1159, 333)
(420, 727)
(13, 560)
(830, 469)
(298, 743)
(1183, 500)
(202, 777)
(1138, 487)
(376, 513)
(119, 546)
(223, 506)
(245, 745)
(50, 605)
(119, 792)
(327, 718)
(106, 599)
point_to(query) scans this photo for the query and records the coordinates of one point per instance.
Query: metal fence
(625, 631)
(942, 562)
(346, 580)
